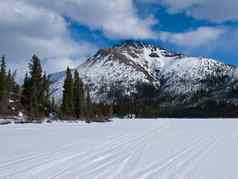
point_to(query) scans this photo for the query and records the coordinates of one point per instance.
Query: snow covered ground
(122, 149)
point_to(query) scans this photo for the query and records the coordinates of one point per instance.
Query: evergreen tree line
(34, 98)
(9, 90)
(76, 103)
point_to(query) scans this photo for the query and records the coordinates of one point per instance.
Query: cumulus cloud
(40, 27)
(26, 29)
(194, 38)
(117, 18)
(212, 10)
(228, 42)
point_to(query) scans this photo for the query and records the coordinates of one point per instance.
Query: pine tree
(35, 92)
(2, 78)
(79, 96)
(13, 93)
(45, 94)
(9, 84)
(3, 86)
(9, 93)
(26, 92)
(36, 83)
(88, 107)
(67, 104)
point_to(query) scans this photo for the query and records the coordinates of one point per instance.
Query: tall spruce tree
(9, 91)
(2, 78)
(67, 104)
(36, 82)
(26, 93)
(3, 87)
(12, 94)
(88, 107)
(45, 93)
(35, 95)
(79, 96)
(10, 84)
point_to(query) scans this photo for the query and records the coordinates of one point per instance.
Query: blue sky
(174, 23)
(66, 32)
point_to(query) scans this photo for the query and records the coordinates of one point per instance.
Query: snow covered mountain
(133, 62)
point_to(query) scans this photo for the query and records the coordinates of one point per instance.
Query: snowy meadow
(121, 149)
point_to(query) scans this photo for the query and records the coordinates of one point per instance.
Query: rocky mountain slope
(173, 74)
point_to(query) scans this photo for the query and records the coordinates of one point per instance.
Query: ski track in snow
(122, 149)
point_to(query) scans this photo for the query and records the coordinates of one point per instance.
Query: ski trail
(135, 144)
(33, 156)
(157, 167)
(50, 159)
(130, 163)
(189, 167)
(181, 165)
(95, 159)
(127, 164)
(40, 159)
(163, 149)
(98, 155)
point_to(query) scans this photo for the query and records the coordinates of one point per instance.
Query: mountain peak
(132, 62)
(140, 44)
(133, 43)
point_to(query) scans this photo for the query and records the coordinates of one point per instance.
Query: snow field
(122, 149)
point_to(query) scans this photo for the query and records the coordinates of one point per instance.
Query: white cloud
(212, 10)
(215, 10)
(39, 27)
(26, 29)
(117, 18)
(195, 38)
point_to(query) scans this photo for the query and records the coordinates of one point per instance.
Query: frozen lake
(122, 149)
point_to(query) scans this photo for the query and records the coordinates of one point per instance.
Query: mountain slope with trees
(132, 79)
(170, 84)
